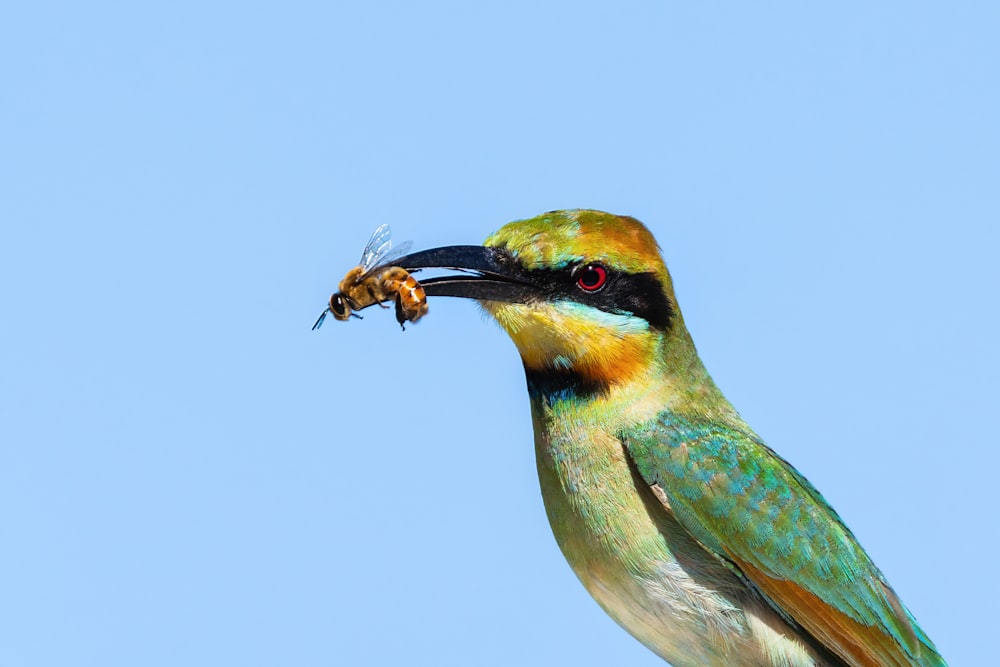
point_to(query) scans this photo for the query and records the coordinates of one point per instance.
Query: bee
(375, 280)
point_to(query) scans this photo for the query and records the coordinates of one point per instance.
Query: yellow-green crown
(556, 239)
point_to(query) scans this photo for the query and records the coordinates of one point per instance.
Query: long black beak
(493, 273)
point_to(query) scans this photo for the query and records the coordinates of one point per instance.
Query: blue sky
(189, 475)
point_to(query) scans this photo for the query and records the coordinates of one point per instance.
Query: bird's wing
(753, 510)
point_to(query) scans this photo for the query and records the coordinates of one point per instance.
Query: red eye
(592, 277)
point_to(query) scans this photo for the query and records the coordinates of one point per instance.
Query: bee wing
(389, 255)
(379, 243)
(379, 251)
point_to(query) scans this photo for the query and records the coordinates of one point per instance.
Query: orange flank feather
(858, 644)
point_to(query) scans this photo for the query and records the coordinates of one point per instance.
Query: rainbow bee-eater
(685, 527)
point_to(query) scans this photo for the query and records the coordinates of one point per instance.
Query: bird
(684, 526)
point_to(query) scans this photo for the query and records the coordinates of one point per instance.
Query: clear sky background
(190, 476)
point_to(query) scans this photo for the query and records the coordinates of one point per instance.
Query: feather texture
(749, 507)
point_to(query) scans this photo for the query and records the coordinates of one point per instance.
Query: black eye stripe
(640, 294)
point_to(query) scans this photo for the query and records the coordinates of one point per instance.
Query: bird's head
(584, 294)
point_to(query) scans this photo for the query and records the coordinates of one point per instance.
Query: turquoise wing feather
(753, 510)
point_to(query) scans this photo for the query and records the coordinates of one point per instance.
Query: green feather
(739, 498)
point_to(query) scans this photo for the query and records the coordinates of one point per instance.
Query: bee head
(339, 306)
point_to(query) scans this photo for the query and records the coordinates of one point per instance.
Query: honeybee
(375, 280)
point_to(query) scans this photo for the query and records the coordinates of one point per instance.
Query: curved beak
(491, 274)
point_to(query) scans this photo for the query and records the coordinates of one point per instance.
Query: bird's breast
(634, 558)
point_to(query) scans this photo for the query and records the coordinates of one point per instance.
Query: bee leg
(374, 297)
(354, 307)
(400, 315)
